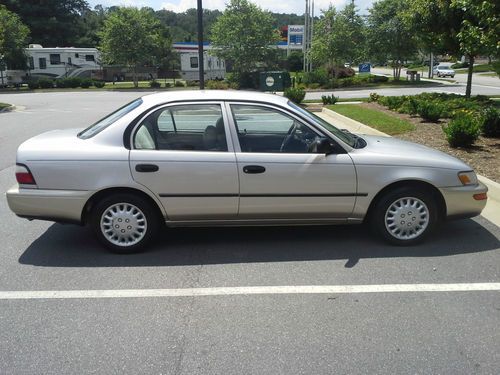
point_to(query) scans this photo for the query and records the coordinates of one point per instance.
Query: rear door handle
(146, 168)
(253, 169)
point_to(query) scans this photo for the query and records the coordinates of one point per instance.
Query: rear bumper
(53, 205)
(460, 202)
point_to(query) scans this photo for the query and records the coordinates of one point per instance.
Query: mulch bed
(484, 156)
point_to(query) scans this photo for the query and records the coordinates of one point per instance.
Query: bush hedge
(490, 122)
(463, 130)
(99, 84)
(154, 84)
(429, 111)
(329, 99)
(32, 85)
(296, 95)
(46, 83)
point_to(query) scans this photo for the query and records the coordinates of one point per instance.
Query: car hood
(393, 151)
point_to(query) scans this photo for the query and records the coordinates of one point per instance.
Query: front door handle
(253, 169)
(146, 168)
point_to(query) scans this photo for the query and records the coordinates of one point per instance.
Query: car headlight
(467, 178)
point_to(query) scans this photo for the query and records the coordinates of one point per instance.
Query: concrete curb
(492, 209)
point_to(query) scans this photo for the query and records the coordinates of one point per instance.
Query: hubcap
(407, 218)
(123, 224)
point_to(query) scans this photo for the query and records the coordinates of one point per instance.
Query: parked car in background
(443, 71)
(216, 158)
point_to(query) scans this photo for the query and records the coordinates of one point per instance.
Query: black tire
(378, 216)
(149, 216)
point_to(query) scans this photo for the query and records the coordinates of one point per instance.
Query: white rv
(61, 62)
(213, 67)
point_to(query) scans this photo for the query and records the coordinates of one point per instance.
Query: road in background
(404, 332)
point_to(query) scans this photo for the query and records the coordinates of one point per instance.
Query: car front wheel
(405, 216)
(124, 223)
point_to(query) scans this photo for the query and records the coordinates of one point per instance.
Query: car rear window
(109, 119)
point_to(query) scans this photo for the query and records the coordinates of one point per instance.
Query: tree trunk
(136, 81)
(468, 88)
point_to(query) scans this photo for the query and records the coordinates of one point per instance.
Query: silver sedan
(212, 158)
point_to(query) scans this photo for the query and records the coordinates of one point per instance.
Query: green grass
(477, 69)
(489, 75)
(4, 105)
(341, 100)
(376, 119)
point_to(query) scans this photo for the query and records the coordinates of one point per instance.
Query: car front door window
(263, 129)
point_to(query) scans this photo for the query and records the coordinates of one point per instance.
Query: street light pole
(201, 64)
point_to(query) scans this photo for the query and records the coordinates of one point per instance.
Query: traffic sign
(364, 68)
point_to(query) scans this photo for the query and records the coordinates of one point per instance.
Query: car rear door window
(190, 127)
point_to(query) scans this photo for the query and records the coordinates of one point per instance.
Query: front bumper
(53, 205)
(460, 202)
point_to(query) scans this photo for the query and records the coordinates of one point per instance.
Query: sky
(284, 6)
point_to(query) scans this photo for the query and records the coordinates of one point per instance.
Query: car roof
(185, 95)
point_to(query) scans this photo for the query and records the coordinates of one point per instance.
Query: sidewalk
(492, 209)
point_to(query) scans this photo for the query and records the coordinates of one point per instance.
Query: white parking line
(247, 290)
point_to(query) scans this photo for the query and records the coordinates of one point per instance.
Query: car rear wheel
(405, 216)
(124, 223)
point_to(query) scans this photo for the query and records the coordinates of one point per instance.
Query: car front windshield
(346, 137)
(109, 119)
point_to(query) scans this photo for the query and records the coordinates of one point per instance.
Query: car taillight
(24, 176)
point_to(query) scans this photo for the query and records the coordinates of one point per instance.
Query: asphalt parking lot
(216, 324)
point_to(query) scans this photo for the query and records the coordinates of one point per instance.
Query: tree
(390, 37)
(295, 61)
(244, 35)
(13, 37)
(52, 23)
(338, 38)
(131, 37)
(459, 27)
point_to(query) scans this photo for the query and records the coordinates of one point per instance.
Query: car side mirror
(324, 146)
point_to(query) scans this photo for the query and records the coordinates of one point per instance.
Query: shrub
(32, 85)
(314, 86)
(341, 72)
(154, 84)
(379, 79)
(46, 83)
(459, 65)
(168, 84)
(409, 106)
(85, 83)
(490, 122)
(392, 102)
(318, 76)
(374, 97)
(99, 84)
(217, 85)
(430, 111)
(329, 99)
(179, 84)
(295, 95)
(462, 130)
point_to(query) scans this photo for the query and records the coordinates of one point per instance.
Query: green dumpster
(274, 81)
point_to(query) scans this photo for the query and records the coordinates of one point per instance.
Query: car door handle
(253, 169)
(146, 168)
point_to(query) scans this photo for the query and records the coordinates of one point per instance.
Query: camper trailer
(61, 62)
(214, 67)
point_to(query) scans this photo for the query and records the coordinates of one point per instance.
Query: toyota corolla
(215, 158)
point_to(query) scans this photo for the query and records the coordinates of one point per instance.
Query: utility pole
(201, 65)
(304, 38)
(311, 36)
